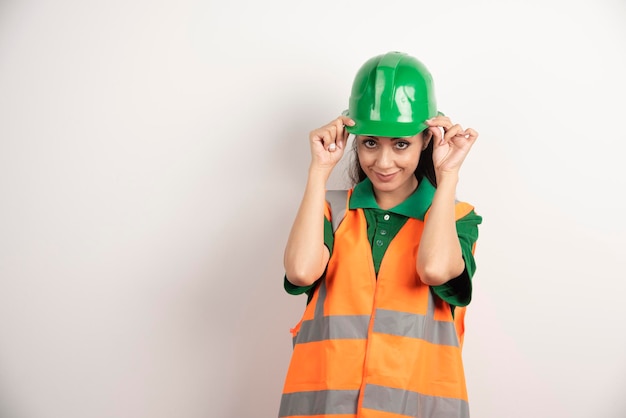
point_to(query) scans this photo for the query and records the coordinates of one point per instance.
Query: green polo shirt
(383, 225)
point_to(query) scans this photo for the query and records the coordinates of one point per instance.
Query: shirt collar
(415, 206)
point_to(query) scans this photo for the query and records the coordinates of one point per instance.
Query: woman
(383, 329)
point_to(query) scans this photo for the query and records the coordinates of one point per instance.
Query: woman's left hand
(449, 150)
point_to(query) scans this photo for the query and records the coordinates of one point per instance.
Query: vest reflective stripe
(386, 322)
(321, 299)
(413, 404)
(378, 398)
(387, 341)
(321, 402)
(330, 327)
(333, 328)
(415, 326)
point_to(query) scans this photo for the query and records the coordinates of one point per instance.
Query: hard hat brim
(384, 128)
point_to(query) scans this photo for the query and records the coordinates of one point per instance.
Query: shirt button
(379, 242)
(386, 217)
(383, 232)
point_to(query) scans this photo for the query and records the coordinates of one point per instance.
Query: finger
(453, 131)
(438, 119)
(471, 134)
(339, 133)
(341, 121)
(344, 138)
(442, 121)
(324, 137)
(318, 135)
(346, 120)
(437, 135)
(466, 138)
(329, 139)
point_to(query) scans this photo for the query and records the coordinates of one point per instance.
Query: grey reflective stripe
(333, 327)
(321, 299)
(415, 326)
(424, 327)
(338, 205)
(403, 324)
(413, 404)
(318, 403)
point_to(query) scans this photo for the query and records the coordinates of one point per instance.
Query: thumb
(437, 136)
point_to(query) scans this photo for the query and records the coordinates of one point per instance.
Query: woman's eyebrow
(393, 139)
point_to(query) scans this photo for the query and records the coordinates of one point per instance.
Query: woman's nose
(385, 158)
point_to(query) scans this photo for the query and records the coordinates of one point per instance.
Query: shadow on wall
(260, 337)
(7, 409)
(233, 326)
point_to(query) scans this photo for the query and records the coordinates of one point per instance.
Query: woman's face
(390, 163)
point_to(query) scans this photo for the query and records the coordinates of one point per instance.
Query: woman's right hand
(306, 256)
(328, 143)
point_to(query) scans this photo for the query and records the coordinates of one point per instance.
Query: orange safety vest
(373, 347)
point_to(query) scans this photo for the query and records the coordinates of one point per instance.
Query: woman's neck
(389, 199)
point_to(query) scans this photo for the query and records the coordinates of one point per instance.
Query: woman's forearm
(306, 255)
(439, 256)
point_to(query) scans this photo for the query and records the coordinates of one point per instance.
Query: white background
(153, 154)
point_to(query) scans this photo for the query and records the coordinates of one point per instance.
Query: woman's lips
(385, 177)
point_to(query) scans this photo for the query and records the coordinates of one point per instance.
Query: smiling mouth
(386, 177)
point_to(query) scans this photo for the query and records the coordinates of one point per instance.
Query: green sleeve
(458, 291)
(329, 240)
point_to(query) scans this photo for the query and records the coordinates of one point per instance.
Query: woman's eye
(402, 145)
(369, 143)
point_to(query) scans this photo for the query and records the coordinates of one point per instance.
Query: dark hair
(425, 167)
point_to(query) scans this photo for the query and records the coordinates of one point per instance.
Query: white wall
(153, 154)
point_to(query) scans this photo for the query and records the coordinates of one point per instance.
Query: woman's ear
(427, 136)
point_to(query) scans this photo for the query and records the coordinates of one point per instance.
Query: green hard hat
(392, 95)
